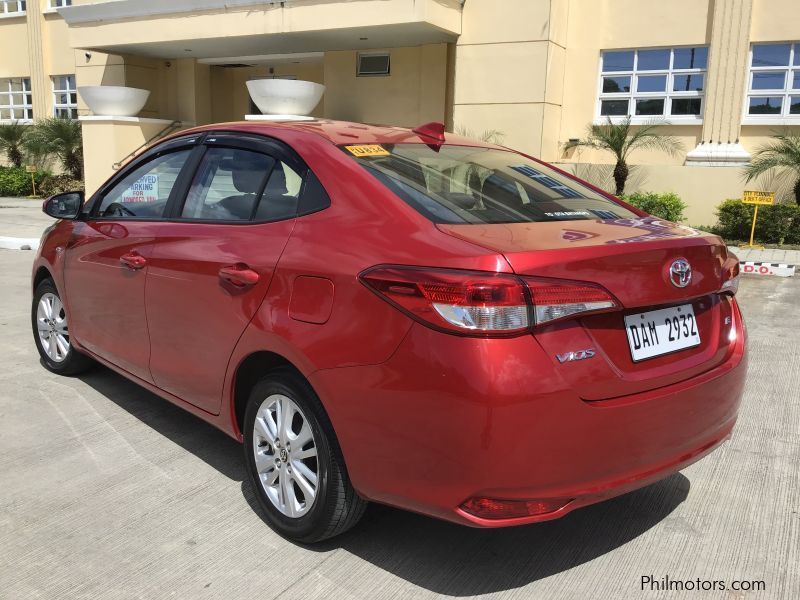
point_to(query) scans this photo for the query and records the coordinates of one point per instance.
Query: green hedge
(58, 184)
(16, 182)
(667, 206)
(778, 224)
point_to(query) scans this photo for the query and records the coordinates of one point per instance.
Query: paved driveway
(107, 491)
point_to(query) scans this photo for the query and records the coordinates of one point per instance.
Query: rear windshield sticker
(549, 182)
(368, 150)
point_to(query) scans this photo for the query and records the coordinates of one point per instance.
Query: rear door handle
(239, 275)
(133, 260)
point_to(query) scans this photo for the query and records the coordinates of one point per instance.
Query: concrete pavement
(107, 491)
(21, 223)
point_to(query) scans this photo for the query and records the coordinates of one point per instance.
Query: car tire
(50, 326)
(335, 506)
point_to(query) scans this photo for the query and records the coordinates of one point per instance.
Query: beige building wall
(509, 72)
(414, 93)
(13, 47)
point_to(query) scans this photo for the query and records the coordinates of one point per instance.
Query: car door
(212, 263)
(106, 261)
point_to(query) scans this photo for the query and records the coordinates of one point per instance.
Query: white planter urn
(285, 96)
(114, 100)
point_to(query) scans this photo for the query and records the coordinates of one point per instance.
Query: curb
(15, 243)
(750, 267)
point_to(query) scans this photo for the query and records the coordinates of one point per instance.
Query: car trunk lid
(631, 258)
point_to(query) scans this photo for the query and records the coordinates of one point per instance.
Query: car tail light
(482, 303)
(491, 508)
(730, 278)
(554, 300)
(459, 301)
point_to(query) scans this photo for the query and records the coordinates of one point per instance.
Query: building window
(653, 83)
(59, 3)
(774, 86)
(16, 100)
(12, 7)
(65, 97)
(373, 65)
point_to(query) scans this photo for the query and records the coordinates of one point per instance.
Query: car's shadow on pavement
(442, 557)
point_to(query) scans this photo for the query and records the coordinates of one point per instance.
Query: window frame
(26, 107)
(786, 93)
(22, 8)
(387, 73)
(668, 95)
(54, 5)
(97, 199)
(69, 91)
(277, 150)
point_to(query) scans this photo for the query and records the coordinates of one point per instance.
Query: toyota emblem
(680, 273)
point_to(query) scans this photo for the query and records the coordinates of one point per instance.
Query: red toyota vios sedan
(398, 316)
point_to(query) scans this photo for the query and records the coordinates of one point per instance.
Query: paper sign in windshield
(368, 150)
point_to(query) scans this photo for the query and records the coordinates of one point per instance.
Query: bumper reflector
(491, 508)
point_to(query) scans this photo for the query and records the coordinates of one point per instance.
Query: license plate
(658, 332)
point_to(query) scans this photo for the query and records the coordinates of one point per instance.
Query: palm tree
(61, 138)
(12, 141)
(782, 153)
(621, 138)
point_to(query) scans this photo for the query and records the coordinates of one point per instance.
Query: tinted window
(653, 60)
(143, 193)
(690, 58)
(458, 184)
(618, 61)
(772, 55)
(228, 185)
(280, 195)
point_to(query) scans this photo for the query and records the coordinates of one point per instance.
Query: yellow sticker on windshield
(368, 150)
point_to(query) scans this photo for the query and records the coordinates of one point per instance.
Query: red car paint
(426, 420)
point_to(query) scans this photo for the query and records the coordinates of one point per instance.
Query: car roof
(337, 132)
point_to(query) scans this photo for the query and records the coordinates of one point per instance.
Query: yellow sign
(30, 168)
(368, 150)
(763, 198)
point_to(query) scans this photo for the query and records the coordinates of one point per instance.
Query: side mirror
(64, 206)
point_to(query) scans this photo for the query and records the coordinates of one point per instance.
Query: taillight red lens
(459, 301)
(554, 300)
(479, 303)
(491, 508)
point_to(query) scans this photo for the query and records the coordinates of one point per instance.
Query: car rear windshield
(465, 184)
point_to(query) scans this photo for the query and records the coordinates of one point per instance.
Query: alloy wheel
(286, 455)
(51, 325)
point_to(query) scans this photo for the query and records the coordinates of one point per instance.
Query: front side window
(653, 83)
(233, 184)
(143, 193)
(59, 3)
(774, 81)
(463, 185)
(12, 7)
(65, 97)
(16, 99)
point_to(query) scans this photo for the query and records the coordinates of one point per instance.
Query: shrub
(58, 184)
(733, 220)
(665, 206)
(16, 182)
(778, 224)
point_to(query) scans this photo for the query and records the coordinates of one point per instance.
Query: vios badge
(577, 355)
(680, 273)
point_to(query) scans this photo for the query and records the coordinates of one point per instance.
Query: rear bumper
(450, 418)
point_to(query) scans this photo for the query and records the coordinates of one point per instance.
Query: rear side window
(228, 185)
(143, 193)
(464, 184)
